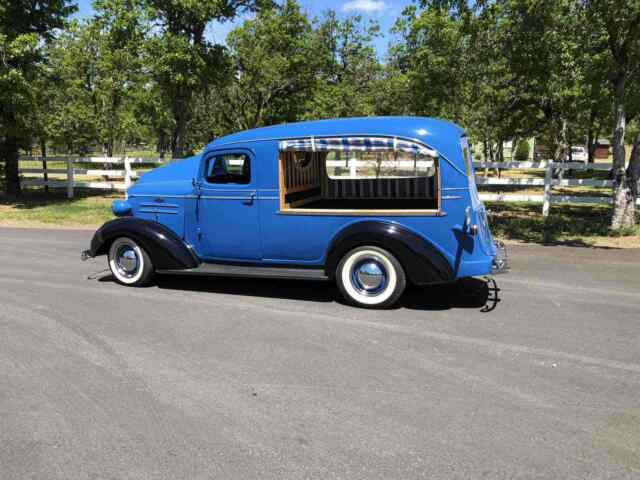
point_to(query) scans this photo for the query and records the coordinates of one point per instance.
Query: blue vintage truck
(370, 203)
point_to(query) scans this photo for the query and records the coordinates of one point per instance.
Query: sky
(384, 12)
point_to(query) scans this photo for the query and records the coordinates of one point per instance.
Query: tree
(349, 71)
(119, 30)
(432, 55)
(72, 122)
(182, 61)
(25, 25)
(618, 21)
(273, 65)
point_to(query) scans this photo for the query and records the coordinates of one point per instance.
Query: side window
(369, 164)
(228, 168)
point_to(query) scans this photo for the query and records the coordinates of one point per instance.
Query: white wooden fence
(116, 173)
(124, 173)
(547, 196)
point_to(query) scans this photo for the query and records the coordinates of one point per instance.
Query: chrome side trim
(226, 270)
(144, 195)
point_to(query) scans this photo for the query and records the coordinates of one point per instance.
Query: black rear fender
(421, 260)
(166, 249)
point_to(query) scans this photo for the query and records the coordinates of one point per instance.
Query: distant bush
(522, 151)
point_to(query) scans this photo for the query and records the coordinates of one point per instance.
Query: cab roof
(436, 133)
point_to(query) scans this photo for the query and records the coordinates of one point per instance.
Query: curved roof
(433, 132)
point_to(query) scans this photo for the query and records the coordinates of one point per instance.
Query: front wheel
(129, 263)
(370, 277)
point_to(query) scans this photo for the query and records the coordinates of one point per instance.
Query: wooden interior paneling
(311, 186)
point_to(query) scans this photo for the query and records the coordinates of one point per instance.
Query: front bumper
(501, 261)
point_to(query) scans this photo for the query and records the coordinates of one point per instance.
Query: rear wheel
(370, 277)
(129, 263)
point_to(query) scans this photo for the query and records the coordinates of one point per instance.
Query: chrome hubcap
(127, 261)
(369, 277)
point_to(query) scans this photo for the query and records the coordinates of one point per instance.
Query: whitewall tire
(129, 263)
(370, 277)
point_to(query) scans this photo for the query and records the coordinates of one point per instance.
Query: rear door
(227, 208)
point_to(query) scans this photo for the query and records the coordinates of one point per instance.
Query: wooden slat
(101, 185)
(541, 165)
(28, 158)
(60, 158)
(513, 165)
(510, 197)
(587, 200)
(509, 181)
(577, 182)
(360, 212)
(41, 182)
(41, 170)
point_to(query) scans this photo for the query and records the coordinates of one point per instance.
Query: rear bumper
(501, 261)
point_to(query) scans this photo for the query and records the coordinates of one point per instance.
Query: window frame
(285, 209)
(216, 154)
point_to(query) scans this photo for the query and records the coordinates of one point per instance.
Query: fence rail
(77, 175)
(118, 173)
(547, 197)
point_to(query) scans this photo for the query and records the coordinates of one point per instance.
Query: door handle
(249, 201)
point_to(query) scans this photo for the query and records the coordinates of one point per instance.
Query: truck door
(227, 208)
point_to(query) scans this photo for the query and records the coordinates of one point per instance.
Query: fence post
(352, 167)
(548, 177)
(69, 177)
(127, 176)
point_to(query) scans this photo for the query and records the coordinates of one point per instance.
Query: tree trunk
(11, 155)
(633, 170)
(179, 138)
(592, 137)
(623, 201)
(560, 153)
(45, 175)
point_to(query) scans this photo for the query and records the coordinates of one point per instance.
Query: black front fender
(421, 260)
(166, 249)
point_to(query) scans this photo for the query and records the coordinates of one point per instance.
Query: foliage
(272, 67)
(522, 151)
(349, 70)
(25, 26)
(182, 61)
(618, 24)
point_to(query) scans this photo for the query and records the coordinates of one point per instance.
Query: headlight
(121, 208)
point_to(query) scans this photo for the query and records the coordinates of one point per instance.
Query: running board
(226, 270)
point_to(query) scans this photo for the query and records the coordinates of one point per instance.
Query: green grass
(572, 224)
(35, 208)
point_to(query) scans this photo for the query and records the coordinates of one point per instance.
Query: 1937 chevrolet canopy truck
(371, 203)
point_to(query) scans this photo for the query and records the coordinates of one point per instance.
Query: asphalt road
(215, 378)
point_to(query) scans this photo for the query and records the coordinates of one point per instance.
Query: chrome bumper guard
(501, 261)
